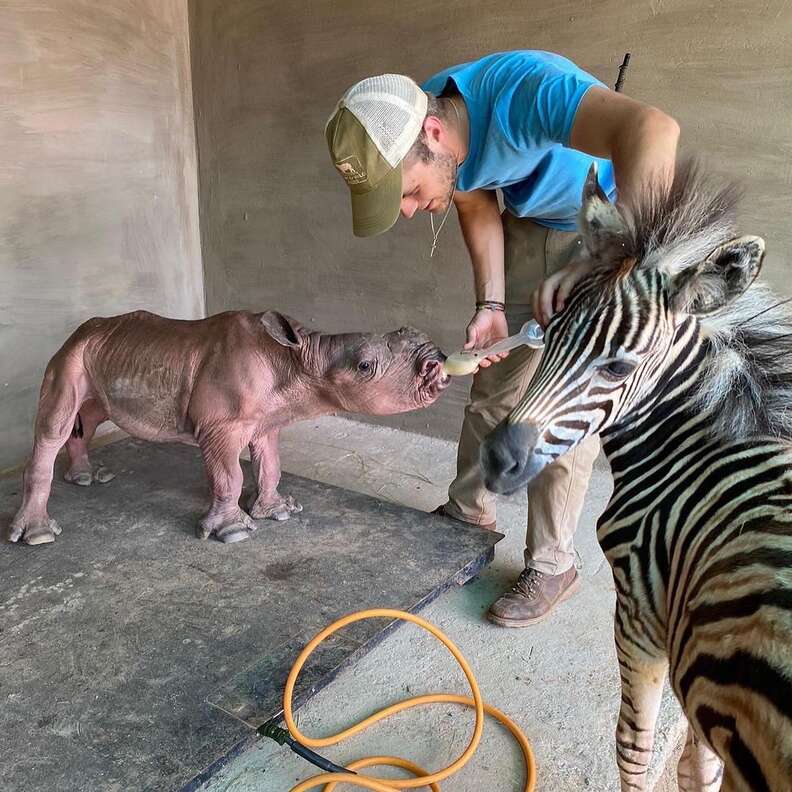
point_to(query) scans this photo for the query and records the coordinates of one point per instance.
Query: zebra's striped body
(698, 534)
(693, 417)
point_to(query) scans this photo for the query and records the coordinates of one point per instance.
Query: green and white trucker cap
(371, 130)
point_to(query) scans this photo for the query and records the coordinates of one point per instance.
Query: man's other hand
(551, 295)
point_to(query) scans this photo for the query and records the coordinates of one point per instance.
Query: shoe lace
(528, 583)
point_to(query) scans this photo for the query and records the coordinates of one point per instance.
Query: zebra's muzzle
(507, 459)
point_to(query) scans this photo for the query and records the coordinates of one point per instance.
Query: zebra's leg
(700, 769)
(642, 687)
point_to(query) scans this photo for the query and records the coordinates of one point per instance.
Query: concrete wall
(98, 203)
(98, 206)
(275, 220)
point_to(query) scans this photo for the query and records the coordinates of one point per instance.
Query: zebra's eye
(618, 369)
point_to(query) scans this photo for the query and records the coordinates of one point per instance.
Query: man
(529, 123)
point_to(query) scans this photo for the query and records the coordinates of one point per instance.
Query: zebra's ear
(723, 276)
(601, 224)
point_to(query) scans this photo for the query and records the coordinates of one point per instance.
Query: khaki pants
(555, 497)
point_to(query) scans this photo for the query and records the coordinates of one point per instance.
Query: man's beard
(446, 168)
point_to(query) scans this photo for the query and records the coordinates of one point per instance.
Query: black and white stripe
(685, 370)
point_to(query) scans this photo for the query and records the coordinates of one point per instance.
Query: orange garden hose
(421, 777)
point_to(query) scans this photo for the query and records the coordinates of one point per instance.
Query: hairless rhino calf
(222, 383)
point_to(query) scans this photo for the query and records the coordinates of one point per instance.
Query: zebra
(683, 365)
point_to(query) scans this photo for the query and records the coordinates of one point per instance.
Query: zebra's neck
(659, 430)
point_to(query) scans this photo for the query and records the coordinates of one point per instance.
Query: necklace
(436, 234)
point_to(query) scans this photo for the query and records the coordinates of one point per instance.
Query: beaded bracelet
(490, 305)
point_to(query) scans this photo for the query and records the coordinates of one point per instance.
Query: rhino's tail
(77, 430)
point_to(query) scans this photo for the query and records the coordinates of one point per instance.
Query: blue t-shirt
(521, 107)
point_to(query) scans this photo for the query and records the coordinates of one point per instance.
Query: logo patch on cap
(352, 170)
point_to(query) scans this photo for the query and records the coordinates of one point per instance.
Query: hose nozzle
(274, 732)
(282, 737)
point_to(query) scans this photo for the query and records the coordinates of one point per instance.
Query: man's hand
(486, 328)
(551, 295)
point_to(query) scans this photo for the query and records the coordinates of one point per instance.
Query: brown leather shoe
(533, 597)
(441, 511)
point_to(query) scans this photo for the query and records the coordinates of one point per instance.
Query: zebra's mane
(747, 380)
(681, 226)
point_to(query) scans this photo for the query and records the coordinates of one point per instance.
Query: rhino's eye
(365, 366)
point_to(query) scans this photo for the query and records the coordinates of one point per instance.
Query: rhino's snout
(431, 372)
(425, 360)
(429, 367)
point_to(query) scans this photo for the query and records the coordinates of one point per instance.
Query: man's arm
(641, 142)
(479, 218)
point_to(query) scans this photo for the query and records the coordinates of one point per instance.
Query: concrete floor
(131, 652)
(558, 680)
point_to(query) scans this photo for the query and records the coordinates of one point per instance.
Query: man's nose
(409, 206)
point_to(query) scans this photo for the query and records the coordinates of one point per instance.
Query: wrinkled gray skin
(222, 383)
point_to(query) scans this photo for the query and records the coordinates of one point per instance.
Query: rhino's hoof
(103, 475)
(226, 528)
(82, 479)
(280, 510)
(39, 537)
(35, 532)
(232, 533)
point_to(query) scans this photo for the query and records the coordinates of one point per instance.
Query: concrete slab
(559, 679)
(128, 644)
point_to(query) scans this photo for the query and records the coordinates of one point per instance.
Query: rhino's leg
(60, 399)
(267, 502)
(220, 448)
(90, 415)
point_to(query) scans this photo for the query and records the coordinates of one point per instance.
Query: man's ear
(722, 277)
(601, 224)
(286, 331)
(432, 130)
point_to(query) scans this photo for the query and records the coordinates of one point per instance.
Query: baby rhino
(222, 383)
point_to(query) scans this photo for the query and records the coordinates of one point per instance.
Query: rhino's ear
(601, 224)
(722, 277)
(285, 330)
